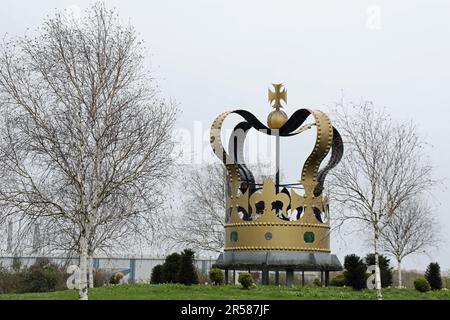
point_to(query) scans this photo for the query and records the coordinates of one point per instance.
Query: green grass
(204, 292)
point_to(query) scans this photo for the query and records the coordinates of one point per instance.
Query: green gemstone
(234, 236)
(308, 237)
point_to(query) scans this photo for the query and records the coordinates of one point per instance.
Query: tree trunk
(378, 278)
(399, 273)
(377, 266)
(83, 268)
(91, 271)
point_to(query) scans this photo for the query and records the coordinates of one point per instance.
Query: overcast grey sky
(212, 56)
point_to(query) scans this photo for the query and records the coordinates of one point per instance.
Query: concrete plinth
(278, 260)
(288, 261)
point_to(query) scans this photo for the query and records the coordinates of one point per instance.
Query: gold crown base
(306, 237)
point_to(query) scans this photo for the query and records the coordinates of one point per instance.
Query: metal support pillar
(265, 276)
(289, 277)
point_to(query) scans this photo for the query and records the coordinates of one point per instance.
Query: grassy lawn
(202, 292)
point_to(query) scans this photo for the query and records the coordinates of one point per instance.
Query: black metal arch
(236, 145)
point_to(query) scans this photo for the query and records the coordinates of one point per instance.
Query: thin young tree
(383, 167)
(82, 128)
(411, 230)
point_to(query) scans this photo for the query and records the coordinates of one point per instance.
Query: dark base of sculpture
(288, 261)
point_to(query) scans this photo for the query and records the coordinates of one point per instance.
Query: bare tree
(200, 225)
(412, 229)
(383, 168)
(203, 207)
(85, 141)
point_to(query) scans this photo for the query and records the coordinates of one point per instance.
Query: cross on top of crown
(276, 96)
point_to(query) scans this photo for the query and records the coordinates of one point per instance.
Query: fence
(136, 269)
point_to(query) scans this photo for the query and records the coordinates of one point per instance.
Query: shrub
(386, 273)
(116, 277)
(355, 272)
(421, 284)
(171, 268)
(99, 278)
(157, 274)
(187, 273)
(202, 277)
(433, 275)
(317, 282)
(9, 281)
(338, 280)
(42, 276)
(112, 279)
(245, 279)
(119, 276)
(216, 276)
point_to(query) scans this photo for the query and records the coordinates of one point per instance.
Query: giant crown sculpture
(275, 217)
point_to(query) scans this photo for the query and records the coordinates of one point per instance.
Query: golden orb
(276, 119)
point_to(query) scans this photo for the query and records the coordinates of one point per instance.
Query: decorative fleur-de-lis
(308, 202)
(269, 196)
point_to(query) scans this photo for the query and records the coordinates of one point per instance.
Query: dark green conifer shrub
(355, 272)
(433, 275)
(187, 272)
